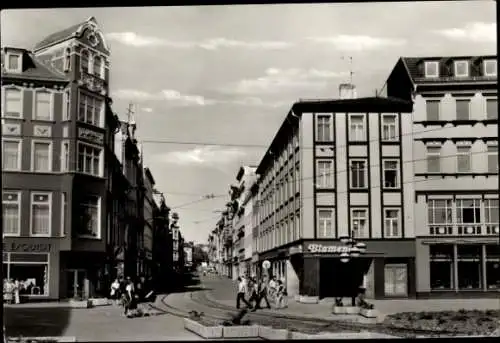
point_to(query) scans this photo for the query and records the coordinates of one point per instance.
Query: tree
(199, 255)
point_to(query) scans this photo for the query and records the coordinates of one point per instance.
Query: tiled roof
(415, 66)
(58, 36)
(34, 69)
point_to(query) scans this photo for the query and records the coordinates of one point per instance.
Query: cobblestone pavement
(105, 323)
(223, 291)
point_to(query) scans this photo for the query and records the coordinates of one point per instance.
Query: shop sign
(325, 249)
(26, 247)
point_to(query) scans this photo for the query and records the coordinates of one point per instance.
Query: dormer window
(490, 68)
(431, 69)
(13, 62)
(461, 68)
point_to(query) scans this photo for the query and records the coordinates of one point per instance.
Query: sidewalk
(223, 291)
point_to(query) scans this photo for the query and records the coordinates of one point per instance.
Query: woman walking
(281, 295)
(241, 294)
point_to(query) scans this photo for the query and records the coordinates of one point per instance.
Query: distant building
(335, 169)
(453, 143)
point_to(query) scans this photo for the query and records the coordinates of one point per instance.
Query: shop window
(396, 280)
(30, 270)
(493, 266)
(441, 267)
(469, 266)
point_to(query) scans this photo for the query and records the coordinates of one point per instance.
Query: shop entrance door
(396, 280)
(76, 279)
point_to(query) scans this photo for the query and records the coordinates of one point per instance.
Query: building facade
(162, 245)
(149, 210)
(54, 130)
(454, 145)
(334, 169)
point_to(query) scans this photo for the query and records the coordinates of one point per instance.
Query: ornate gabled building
(55, 129)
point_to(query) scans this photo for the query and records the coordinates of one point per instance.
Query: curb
(42, 339)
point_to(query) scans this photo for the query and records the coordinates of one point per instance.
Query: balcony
(444, 230)
(93, 83)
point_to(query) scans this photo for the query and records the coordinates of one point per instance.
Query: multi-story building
(53, 137)
(149, 210)
(335, 169)
(162, 245)
(453, 142)
(242, 223)
(254, 224)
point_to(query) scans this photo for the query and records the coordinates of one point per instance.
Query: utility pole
(351, 72)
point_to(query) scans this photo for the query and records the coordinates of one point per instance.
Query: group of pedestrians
(130, 294)
(258, 290)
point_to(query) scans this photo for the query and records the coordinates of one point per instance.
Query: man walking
(263, 293)
(241, 293)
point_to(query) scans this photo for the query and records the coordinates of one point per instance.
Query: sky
(214, 83)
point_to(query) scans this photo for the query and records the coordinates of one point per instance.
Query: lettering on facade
(26, 247)
(90, 135)
(332, 249)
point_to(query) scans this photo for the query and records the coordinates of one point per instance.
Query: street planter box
(80, 303)
(267, 332)
(369, 313)
(305, 299)
(331, 335)
(100, 302)
(345, 310)
(202, 330)
(243, 331)
(297, 298)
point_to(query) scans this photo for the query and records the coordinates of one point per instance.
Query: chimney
(347, 91)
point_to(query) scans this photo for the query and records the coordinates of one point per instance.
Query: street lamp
(353, 248)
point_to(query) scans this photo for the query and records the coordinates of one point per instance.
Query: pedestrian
(115, 290)
(241, 293)
(281, 295)
(263, 291)
(272, 288)
(254, 294)
(362, 290)
(17, 286)
(128, 297)
(139, 288)
(8, 289)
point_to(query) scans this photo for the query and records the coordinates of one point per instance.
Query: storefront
(388, 265)
(460, 267)
(34, 263)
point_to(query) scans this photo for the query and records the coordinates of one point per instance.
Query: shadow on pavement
(188, 282)
(44, 321)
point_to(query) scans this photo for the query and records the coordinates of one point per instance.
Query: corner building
(337, 168)
(455, 148)
(53, 136)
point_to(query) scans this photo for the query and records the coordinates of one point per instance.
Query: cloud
(207, 155)
(147, 109)
(277, 80)
(358, 42)
(473, 32)
(172, 96)
(135, 40)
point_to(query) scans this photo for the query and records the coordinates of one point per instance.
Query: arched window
(98, 64)
(84, 61)
(67, 59)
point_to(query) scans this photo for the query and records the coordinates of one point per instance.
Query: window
(461, 68)
(395, 279)
(490, 68)
(65, 157)
(98, 64)
(439, 212)
(90, 109)
(41, 159)
(43, 110)
(441, 267)
(325, 174)
(298, 233)
(359, 225)
(297, 179)
(391, 174)
(13, 106)
(64, 209)
(11, 154)
(491, 109)
(492, 266)
(13, 62)
(463, 159)
(11, 213)
(325, 223)
(463, 109)
(433, 159)
(392, 223)
(468, 211)
(89, 159)
(492, 159)
(432, 109)
(67, 106)
(67, 59)
(84, 61)
(90, 219)
(357, 129)
(491, 211)
(324, 128)
(469, 269)
(31, 270)
(389, 128)
(41, 213)
(358, 174)
(431, 69)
